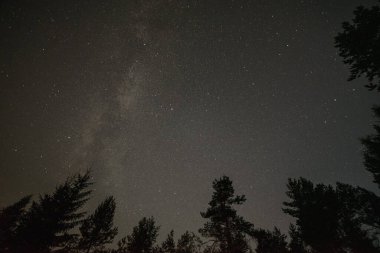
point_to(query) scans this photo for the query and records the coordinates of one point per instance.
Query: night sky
(160, 97)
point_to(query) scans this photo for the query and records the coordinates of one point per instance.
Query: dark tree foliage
(372, 150)
(330, 219)
(10, 218)
(49, 221)
(226, 229)
(268, 241)
(189, 243)
(296, 244)
(168, 246)
(143, 236)
(97, 230)
(316, 210)
(359, 45)
(359, 207)
(122, 246)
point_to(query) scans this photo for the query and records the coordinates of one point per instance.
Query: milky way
(161, 97)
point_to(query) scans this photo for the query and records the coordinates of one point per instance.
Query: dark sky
(159, 97)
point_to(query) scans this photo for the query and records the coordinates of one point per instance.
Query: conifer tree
(296, 244)
(143, 236)
(226, 229)
(10, 218)
(331, 219)
(49, 221)
(168, 246)
(268, 241)
(122, 246)
(188, 243)
(97, 230)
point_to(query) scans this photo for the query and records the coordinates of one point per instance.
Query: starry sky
(160, 97)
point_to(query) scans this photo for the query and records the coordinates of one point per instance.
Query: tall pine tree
(226, 229)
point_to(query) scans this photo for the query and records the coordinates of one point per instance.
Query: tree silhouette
(143, 236)
(97, 229)
(49, 221)
(359, 45)
(330, 219)
(226, 229)
(273, 242)
(122, 246)
(296, 244)
(168, 246)
(10, 218)
(188, 243)
(316, 210)
(372, 150)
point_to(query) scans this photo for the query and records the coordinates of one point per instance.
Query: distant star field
(160, 97)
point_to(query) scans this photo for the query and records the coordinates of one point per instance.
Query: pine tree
(188, 243)
(226, 229)
(168, 246)
(296, 244)
(10, 218)
(97, 229)
(143, 236)
(316, 210)
(122, 246)
(332, 219)
(268, 241)
(49, 221)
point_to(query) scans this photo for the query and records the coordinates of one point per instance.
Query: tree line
(327, 218)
